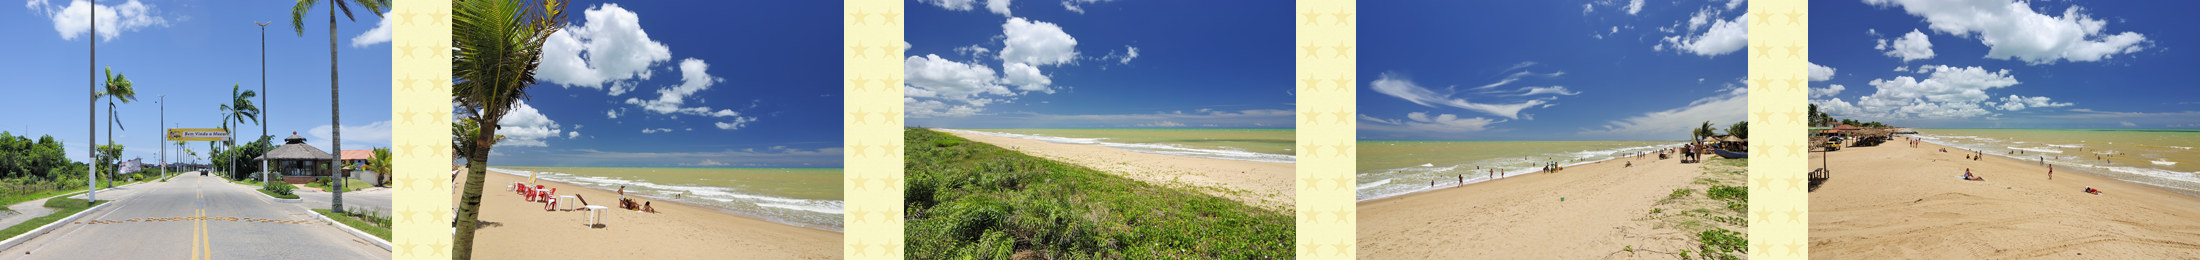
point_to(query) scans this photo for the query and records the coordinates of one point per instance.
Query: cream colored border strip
(1325, 89)
(872, 39)
(1778, 203)
(420, 110)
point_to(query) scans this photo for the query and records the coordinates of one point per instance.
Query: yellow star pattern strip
(420, 104)
(872, 120)
(1778, 199)
(1327, 36)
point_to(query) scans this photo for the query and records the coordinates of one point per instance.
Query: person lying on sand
(2090, 189)
(1968, 177)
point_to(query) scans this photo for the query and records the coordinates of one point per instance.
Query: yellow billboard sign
(197, 134)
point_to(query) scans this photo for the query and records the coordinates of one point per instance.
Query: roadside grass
(364, 220)
(63, 207)
(278, 190)
(967, 199)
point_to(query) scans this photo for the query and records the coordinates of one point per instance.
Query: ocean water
(1392, 168)
(1260, 145)
(808, 197)
(2163, 158)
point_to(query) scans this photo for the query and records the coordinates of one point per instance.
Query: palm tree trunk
(469, 205)
(336, 127)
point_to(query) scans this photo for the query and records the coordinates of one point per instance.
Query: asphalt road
(193, 217)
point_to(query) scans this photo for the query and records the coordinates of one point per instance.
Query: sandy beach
(1894, 201)
(1605, 209)
(1264, 184)
(513, 228)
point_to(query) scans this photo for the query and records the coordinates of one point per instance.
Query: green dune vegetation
(966, 199)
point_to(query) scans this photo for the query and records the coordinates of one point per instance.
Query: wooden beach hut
(297, 162)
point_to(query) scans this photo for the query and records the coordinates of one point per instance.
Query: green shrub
(1722, 244)
(1680, 193)
(1730, 193)
(279, 188)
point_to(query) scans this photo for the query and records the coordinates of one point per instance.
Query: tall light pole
(263, 93)
(91, 131)
(164, 134)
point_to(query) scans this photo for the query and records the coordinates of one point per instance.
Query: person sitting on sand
(1968, 177)
(1630, 164)
(647, 208)
(2090, 189)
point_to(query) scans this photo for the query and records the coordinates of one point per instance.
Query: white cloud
(1521, 73)
(737, 123)
(573, 134)
(1036, 43)
(1731, 4)
(355, 136)
(609, 49)
(997, 6)
(1947, 92)
(380, 34)
(694, 77)
(655, 130)
(1421, 122)
(973, 50)
(2015, 103)
(1078, 5)
(1130, 53)
(1729, 106)
(525, 126)
(956, 5)
(613, 114)
(1551, 90)
(1827, 91)
(75, 19)
(1912, 46)
(1402, 88)
(1722, 37)
(1820, 73)
(1633, 7)
(2129, 124)
(2014, 30)
(1026, 78)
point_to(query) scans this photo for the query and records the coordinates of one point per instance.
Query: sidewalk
(25, 212)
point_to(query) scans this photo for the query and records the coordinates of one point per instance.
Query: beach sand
(1266, 185)
(1605, 210)
(1897, 202)
(513, 228)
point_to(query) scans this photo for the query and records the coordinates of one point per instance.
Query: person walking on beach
(2050, 171)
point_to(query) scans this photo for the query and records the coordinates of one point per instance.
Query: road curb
(283, 200)
(385, 244)
(27, 236)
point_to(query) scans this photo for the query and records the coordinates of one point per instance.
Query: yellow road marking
(195, 238)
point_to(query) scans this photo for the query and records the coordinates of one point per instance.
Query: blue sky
(684, 84)
(1098, 64)
(192, 51)
(2006, 64)
(1549, 70)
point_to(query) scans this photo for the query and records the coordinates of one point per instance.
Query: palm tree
(240, 109)
(380, 163)
(336, 129)
(117, 87)
(499, 43)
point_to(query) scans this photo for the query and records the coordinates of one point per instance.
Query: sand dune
(1897, 202)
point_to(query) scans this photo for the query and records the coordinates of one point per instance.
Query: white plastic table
(592, 211)
(567, 200)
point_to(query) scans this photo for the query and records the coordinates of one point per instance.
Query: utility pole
(163, 135)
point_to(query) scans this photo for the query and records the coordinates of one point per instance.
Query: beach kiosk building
(296, 161)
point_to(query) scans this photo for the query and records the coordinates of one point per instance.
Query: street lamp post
(263, 93)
